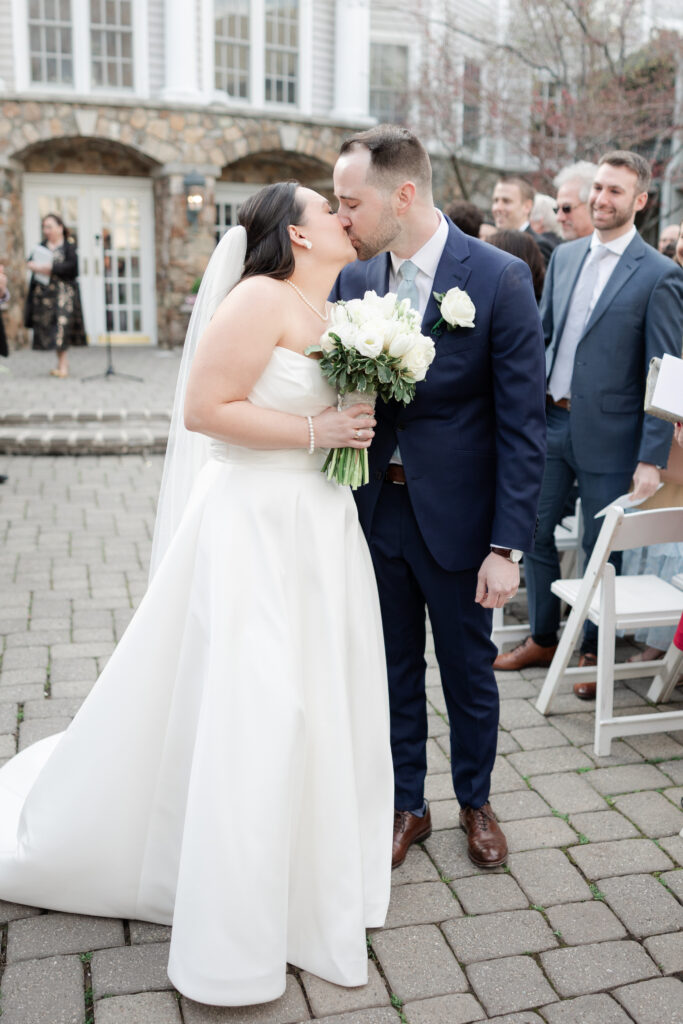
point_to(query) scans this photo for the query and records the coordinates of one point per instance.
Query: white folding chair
(620, 602)
(568, 537)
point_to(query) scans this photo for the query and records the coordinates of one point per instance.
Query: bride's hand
(352, 428)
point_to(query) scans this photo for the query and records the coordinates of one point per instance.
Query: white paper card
(668, 391)
(625, 501)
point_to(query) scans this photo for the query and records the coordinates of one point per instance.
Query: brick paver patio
(583, 926)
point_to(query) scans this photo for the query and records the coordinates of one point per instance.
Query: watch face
(516, 555)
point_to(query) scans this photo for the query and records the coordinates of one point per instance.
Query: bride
(230, 773)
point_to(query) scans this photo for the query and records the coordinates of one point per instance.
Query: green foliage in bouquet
(347, 370)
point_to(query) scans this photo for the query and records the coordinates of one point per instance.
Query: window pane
(111, 43)
(231, 42)
(389, 82)
(281, 55)
(49, 34)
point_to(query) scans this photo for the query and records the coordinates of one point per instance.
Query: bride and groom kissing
(269, 693)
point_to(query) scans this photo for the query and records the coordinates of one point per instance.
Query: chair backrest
(656, 526)
(620, 531)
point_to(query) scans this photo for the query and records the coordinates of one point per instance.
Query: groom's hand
(497, 581)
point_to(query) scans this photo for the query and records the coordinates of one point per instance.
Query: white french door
(112, 222)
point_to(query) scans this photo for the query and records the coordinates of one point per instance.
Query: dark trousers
(409, 579)
(542, 566)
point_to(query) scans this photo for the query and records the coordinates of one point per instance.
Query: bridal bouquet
(373, 346)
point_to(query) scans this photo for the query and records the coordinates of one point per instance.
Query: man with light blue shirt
(610, 303)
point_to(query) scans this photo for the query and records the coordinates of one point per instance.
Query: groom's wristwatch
(512, 554)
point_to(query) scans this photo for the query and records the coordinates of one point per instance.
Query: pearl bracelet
(311, 435)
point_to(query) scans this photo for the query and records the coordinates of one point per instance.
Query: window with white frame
(229, 198)
(81, 45)
(389, 82)
(256, 50)
(50, 42)
(282, 50)
(231, 48)
(111, 43)
(471, 104)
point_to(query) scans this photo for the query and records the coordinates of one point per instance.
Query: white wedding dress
(230, 773)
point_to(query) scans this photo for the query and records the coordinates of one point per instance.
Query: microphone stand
(110, 371)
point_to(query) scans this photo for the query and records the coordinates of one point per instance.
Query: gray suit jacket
(638, 315)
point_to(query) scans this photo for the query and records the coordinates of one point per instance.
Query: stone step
(83, 432)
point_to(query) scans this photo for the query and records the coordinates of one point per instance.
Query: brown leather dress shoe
(408, 829)
(586, 691)
(528, 654)
(486, 845)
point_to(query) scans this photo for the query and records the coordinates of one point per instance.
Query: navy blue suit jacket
(473, 439)
(638, 315)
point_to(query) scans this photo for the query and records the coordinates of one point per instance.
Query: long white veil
(187, 452)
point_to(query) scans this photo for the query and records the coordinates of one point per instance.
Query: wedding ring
(357, 435)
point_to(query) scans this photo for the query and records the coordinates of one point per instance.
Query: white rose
(348, 334)
(370, 338)
(338, 314)
(327, 343)
(457, 308)
(401, 343)
(418, 359)
(354, 309)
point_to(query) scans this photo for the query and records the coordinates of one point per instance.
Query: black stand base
(110, 371)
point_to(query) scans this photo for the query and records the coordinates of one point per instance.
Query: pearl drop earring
(307, 243)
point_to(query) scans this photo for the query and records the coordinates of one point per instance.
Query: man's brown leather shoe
(528, 654)
(408, 829)
(486, 845)
(586, 691)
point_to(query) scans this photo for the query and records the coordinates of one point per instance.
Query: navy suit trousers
(409, 579)
(542, 566)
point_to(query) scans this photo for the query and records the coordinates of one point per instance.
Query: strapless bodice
(291, 383)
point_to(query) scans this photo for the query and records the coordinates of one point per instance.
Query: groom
(454, 476)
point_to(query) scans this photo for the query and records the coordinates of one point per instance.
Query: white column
(181, 77)
(352, 60)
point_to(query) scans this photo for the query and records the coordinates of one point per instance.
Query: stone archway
(267, 167)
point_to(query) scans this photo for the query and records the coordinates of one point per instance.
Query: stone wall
(162, 144)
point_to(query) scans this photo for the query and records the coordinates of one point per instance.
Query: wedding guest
(465, 216)
(543, 219)
(610, 303)
(513, 199)
(573, 185)
(53, 309)
(4, 299)
(4, 347)
(668, 239)
(522, 245)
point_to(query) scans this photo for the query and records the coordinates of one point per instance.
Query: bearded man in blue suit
(610, 304)
(454, 476)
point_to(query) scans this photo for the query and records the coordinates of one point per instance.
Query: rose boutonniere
(456, 308)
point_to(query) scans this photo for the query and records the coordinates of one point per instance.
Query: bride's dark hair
(266, 217)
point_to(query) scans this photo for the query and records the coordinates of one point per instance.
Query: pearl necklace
(310, 305)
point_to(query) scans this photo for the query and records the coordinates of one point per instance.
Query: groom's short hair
(396, 155)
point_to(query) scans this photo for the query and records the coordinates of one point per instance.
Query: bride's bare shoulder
(254, 294)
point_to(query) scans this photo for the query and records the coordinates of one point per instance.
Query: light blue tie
(407, 289)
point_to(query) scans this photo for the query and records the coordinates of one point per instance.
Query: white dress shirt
(617, 248)
(426, 260)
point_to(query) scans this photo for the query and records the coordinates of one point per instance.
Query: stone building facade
(144, 124)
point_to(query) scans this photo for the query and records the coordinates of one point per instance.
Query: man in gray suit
(610, 303)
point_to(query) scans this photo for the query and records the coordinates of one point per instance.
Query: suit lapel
(450, 273)
(377, 276)
(627, 265)
(570, 275)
